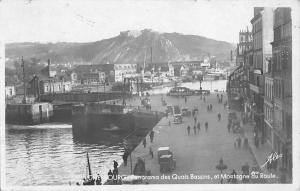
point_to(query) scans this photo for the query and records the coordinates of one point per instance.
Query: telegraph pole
(24, 84)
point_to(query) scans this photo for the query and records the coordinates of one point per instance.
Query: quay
(196, 155)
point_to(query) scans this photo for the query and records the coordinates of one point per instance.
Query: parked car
(163, 151)
(167, 163)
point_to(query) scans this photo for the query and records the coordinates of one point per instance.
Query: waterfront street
(199, 153)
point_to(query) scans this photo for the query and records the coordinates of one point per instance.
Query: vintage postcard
(153, 94)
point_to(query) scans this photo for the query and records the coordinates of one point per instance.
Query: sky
(92, 20)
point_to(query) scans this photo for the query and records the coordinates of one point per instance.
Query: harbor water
(48, 154)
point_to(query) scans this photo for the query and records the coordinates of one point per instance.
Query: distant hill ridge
(127, 47)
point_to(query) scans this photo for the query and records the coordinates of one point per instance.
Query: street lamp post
(200, 79)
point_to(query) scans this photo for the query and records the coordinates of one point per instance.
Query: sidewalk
(261, 153)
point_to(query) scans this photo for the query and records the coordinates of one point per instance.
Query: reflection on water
(48, 154)
(51, 157)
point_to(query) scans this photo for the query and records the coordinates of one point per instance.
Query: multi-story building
(48, 82)
(262, 33)
(248, 68)
(113, 72)
(122, 71)
(245, 38)
(237, 80)
(282, 86)
(93, 78)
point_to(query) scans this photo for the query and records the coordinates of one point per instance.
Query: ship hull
(113, 127)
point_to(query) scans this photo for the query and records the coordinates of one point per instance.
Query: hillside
(128, 47)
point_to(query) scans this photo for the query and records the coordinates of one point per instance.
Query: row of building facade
(262, 82)
(49, 80)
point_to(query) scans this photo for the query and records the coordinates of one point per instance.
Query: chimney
(49, 68)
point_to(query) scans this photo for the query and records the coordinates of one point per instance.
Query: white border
(295, 5)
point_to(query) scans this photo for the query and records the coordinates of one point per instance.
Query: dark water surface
(48, 155)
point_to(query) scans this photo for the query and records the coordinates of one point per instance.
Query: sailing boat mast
(88, 165)
(144, 63)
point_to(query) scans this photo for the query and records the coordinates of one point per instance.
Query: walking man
(206, 126)
(219, 116)
(188, 130)
(151, 136)
(195, 129)
(198, 127)
(144, 142)
(125, 155)
(151, 152)
(228, 127)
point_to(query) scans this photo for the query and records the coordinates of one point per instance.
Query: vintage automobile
(185, 112)
(177, 119)
(167, 163)
(163, 151)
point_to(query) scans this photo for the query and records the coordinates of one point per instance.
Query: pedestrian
(195, 119)
(115, 175)
(110, 175)
(151, 152)
(98, 180)
(195, 130)
(233, 180)
(235, 143)
(151, 136)
(206, 126)
(144, 142)
(115, 164)
(246, 144)
(211, 107)
(219, 116)
(198, 127)
(218, 96)
(239, 142)
(188, 130)
(228, 127)
(125, 156)
(256, 141)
